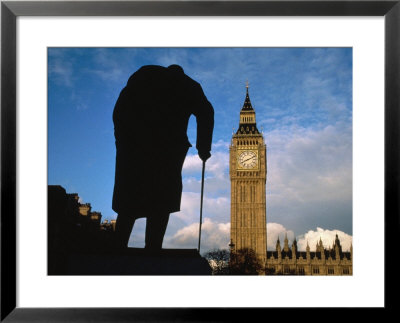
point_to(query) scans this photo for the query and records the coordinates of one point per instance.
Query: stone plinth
(136, 261)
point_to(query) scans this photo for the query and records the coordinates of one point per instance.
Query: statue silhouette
(150, 118)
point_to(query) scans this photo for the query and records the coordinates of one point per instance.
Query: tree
(219, 261)
(245, 262)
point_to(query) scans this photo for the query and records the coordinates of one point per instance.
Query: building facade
(248, 174)
(324, 261)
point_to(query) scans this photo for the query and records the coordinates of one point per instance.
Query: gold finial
(247, 84)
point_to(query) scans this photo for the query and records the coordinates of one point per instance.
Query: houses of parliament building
(248, 175)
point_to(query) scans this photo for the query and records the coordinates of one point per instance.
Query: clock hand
(249, 159)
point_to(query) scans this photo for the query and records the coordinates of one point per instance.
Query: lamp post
(231, 254)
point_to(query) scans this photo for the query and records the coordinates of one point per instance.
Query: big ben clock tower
(248, 173)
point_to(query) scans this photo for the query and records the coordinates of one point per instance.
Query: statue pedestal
(136, 261)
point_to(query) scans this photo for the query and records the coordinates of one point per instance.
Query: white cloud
(191, 165)
(190, 207)
(327, 237)
(213, 236)
(215, 208)
(310, 176)
(275, 230)
(216, 178)
(220, 144)
(216, 166)
(212, 186)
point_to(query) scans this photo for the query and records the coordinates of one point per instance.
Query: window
(301, 271)
(331, 271)
(346, 271)
(315, 270)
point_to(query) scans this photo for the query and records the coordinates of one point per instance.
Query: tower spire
(278, 245)
(286, 243)
(247, 123)
(247, 103)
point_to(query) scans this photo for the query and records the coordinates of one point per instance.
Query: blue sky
(303, 103)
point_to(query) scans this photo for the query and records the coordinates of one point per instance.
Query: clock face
(248, 159)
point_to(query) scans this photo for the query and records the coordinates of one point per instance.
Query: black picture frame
(10, 10)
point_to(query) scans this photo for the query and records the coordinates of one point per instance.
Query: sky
(303, 103)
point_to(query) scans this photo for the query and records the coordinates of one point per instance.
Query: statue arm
(205, 125)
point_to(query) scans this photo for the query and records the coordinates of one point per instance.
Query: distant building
(84, 209)
(108, 226)
(95, 218)
(73, 227)
(323, 261)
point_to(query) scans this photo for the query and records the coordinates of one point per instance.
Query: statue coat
(150, 119)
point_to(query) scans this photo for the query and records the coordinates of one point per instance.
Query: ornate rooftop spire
(294, 246)
(247, 103)
(247, 123)
(278, 245)
(286, 244)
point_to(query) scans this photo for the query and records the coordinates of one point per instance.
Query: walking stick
(201, 201)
